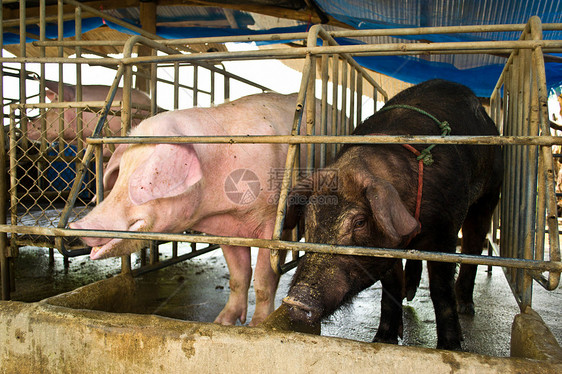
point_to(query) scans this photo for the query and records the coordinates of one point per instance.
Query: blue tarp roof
(480, 72)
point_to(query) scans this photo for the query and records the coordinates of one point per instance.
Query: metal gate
(526, 219)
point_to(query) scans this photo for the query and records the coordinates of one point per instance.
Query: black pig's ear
(296, 202)
(390, 214)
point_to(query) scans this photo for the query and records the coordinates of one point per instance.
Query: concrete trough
(75, 333)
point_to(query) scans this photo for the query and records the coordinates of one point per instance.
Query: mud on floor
(197, 290)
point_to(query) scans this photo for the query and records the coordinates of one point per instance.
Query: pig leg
(413, 278)
(474, 230)
(441, 288)
(265, 285)
(240, 267)
(390, 326)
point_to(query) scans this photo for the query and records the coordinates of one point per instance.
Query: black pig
(377, 189)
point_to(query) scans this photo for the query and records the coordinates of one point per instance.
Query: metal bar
(324, 108)
(311, 114)
(361, 49)
(352, 82)
(195, 85)
(344, 119)
(290, 162)
(335, 117)
(4, 196)
(63, 105)
(174, 260)
(176, 85)
(360, 97)
(126, 108)
(60, 35)
(280, 53)
(154, 253)
(555, 266)
(340, 34)
(78, 51)
(546, 156)
(23, 78)
(351, 139)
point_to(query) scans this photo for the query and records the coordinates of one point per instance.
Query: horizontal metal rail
(288, 53)
(331, 139)
(304, 35)
(174, 260)
(410, 254)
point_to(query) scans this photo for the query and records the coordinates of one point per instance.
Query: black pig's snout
(302, 307)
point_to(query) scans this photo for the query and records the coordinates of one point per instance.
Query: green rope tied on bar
(425, 155)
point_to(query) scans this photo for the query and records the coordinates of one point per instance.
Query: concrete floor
(198, 289)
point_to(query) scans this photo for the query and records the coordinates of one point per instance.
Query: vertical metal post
(311, 114)
(212, 87)
(195, 85)
(335, 117)
(126, 104)
(176, 85)
(4, 260)
(290, 162)
(13, 195)
(23, 53)
(344, 126)
(351, 123)
(324, 107)
(153, 90)
(60, 35)
(154, 254)
(529, 174)
(42, 112)
(360, 96)
(226, 88)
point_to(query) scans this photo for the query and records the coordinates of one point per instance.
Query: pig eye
(359, 223)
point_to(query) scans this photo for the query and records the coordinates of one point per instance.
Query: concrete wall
(47, 338)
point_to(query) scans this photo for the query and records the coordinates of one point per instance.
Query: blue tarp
(478, 72)
(480, 76)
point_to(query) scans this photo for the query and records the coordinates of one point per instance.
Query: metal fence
(518, 107)
(529, 223)
(44, 142)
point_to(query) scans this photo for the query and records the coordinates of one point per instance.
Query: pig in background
(376, 198)
(218, 189)
(89, 93)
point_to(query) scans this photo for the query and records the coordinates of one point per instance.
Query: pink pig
(218, 189)
(90, 93)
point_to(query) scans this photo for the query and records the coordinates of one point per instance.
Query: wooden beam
(305, 15)
(148, 23)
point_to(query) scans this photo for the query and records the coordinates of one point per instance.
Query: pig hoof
(229, 318)
(466, 308)
(450, 346)
(385, 340)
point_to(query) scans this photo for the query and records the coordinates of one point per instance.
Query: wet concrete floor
(197, 290)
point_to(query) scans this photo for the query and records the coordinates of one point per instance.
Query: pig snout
(302, 306)
(89, 241)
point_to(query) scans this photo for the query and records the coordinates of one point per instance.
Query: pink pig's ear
(52, 92)
(169, 171)
(112, 169)
(389, 212)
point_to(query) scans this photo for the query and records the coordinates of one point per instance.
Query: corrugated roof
(478, 71)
